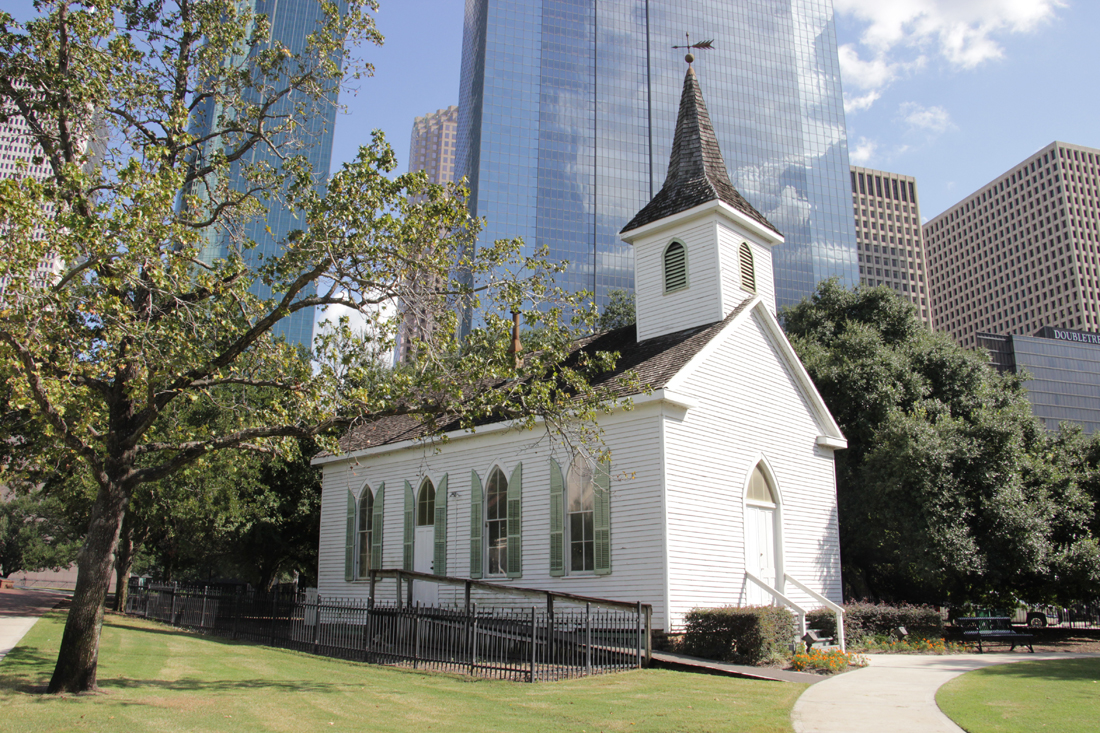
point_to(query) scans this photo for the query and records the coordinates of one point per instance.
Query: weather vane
(701, 45)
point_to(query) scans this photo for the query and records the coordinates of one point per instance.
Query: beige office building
(433, 144)
(432, 149)
(888, 235)
(1020, 253)
(20, 157)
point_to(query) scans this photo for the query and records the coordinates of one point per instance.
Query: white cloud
(863, 151)
(963, 32)
(935, 120)
(862, 102)
(864, 74)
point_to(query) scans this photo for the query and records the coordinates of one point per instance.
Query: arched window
(760, 489)
(364, 538)
(748, 272)
(425, 505)
(675, 263)
(580, 517)
(580, 507)
(496, 523)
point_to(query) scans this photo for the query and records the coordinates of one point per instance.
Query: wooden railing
(800, 613)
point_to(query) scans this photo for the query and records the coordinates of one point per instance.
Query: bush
(863, 620)
(745, 635)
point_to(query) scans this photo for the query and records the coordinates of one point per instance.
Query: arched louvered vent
(676, 276)
(748, 273)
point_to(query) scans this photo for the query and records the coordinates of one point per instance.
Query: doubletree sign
(1076, 336)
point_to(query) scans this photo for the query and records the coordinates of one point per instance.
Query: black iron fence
(529, 644)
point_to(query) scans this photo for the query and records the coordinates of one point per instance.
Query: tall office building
(291, 23)
(1021, 252)
(567, 110)
(21, 157)
(888, 235)
(431, 149)
(17, 160)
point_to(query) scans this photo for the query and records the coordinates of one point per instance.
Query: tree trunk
(79, 654)
(124, 562)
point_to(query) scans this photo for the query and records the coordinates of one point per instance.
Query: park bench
(985, 629)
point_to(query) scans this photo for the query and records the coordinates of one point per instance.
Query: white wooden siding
(750, 405)
(729, 246)
(637, 532)
(659, 313)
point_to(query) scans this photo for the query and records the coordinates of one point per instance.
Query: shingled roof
(696, 171)
(654, 362)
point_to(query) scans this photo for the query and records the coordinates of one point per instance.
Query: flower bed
(825, 662)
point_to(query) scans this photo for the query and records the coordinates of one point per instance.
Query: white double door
(760, 553)
(423, 556)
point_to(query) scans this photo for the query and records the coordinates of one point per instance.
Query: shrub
(863, 620)
(745, 635)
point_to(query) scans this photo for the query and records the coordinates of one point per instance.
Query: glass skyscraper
(567, 110)
(291, 22)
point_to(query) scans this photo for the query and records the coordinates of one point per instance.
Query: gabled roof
(696, 172)
(654, 361)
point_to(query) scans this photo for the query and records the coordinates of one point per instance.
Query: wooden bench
(985, 629)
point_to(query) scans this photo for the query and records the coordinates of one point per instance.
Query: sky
(953, 92)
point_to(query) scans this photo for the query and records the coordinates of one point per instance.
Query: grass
(154, 678)
(1062, 695)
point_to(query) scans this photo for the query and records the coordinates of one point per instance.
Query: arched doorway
(761, 547)
(424, 544)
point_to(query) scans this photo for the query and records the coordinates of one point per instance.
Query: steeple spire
(696, 171)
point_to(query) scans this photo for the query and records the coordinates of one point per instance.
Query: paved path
(895, 693)
(19, 609)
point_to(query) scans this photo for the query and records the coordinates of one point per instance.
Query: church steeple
(696, 172)
(700, 249)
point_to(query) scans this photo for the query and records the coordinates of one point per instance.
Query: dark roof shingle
(696, 171)
(654, 361)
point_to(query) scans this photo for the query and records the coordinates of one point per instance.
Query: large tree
(950, 490)
(144, 319)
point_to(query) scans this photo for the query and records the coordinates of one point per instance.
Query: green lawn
(157, 679)
(1062, 695)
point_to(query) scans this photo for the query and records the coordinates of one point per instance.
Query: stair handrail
(837, 609)
(799, 611)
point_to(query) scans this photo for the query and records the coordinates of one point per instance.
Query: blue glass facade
(567, 110)
(291, 22)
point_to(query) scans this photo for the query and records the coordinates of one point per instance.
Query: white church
(721, 486)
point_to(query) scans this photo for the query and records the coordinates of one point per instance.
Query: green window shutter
(515, 523)
(349, 541)
(557, 520)
(410, 526)
(439, 562)
(376, 528)
(477, 506)
(601, 519)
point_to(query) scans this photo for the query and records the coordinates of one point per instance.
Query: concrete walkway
(895, 693)
(19, 610)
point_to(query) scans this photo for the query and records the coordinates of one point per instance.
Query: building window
(496, 523)
(580, 518)
(748, 271)
(675, 261)
(425, 505)
(364, 533)
(579, 510)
